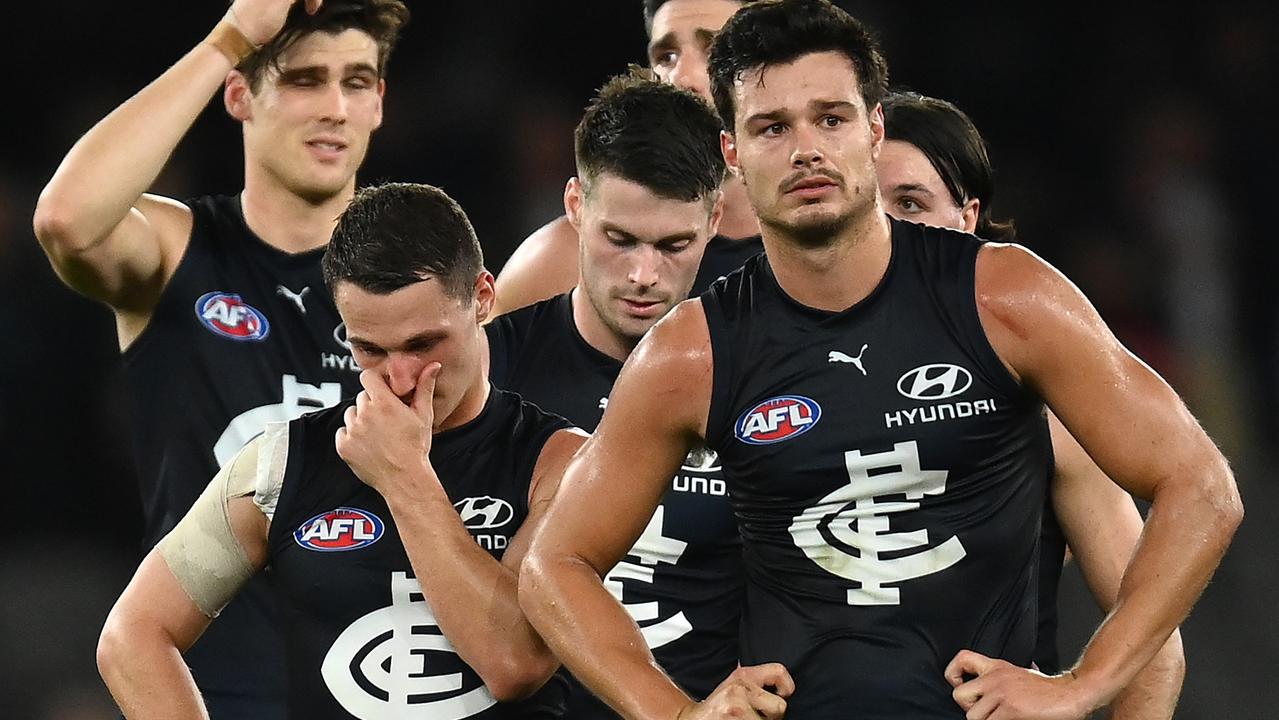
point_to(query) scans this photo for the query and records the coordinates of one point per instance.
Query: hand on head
(262, 20)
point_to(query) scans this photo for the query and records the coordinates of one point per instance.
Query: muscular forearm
(472, 595)
(146, 675)
(594, 637)
(1153, 694)
(1187, 531)
(119, 158)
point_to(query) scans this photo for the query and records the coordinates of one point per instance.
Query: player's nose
(692, 73)
(644, 266)
(402, 371)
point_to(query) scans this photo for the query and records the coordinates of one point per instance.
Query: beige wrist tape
(230, 41)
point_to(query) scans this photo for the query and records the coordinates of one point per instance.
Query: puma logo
(836, 356)
(295, 297)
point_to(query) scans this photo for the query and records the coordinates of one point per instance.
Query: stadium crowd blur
(1135, 147)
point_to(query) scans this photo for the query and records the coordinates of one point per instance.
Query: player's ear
(574, 198)
(969, 214)
(237, 96)
(728, 146)
(717, 212)
(484, 296)
(876, 130)
(377, 111)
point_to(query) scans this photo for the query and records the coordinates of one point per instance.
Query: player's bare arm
(1102, 527)
(166, 607)
(1141, 435)
(105, 237)
(543, 266)
(656, 412)
(386, 443)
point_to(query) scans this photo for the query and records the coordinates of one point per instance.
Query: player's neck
(470, 407)
(594, 331)
(739, 221)
(839, 274)
(289, 222)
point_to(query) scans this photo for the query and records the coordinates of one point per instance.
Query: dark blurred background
(1136, 148)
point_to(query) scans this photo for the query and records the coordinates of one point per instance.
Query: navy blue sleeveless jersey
(682, 582)
(888, 475)
(243, 334)
(361, 640)
(722, 256)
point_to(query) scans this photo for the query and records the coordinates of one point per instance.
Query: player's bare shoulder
(1011, 281)
(670, 370)
(543, 266)
(1024, 302)
(679, 343)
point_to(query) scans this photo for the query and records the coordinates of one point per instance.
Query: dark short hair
(380, 19)
(776, 32)
(650, 11)
(653, 134)
(951, 142)
(394, 235)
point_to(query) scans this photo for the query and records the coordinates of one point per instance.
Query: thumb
(312, 6)
(425, 393)
(966, 662)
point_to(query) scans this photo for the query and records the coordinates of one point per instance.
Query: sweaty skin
(803, 125)
(1100, 520)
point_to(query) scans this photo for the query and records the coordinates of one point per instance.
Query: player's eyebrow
(665, 42)
(305, 72)
(361, 68)
(912, 187)
(826, 105)
(769, 116)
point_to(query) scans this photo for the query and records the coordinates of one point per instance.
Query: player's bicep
(1099, 519)
(129, 267)
(656, 412)
(547, 474)
(156, 602)
(221, 542)
(1130, 421)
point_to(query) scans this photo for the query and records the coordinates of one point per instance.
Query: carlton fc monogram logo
(378, 667)
(847, 531)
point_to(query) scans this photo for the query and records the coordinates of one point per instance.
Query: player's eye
(910, 205)
(665, 59)
(831, 121)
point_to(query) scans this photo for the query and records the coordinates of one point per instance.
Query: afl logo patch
(338, 530)
(777, 419)
(934, 382)
(227, 315)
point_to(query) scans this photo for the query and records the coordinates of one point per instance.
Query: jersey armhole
(717, 417)
(988, 360)
(200, 222)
